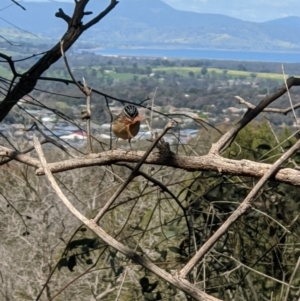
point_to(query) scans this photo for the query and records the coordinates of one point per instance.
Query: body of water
(279, 57)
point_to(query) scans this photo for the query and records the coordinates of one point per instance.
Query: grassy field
(122, 76)
(184, 71)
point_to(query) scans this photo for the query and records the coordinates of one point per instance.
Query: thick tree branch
(28, 160)
(209, 162)
(188, 163)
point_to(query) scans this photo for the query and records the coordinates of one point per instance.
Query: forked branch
(270, 110)
(228, 137)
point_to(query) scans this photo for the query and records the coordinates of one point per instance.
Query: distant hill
(290, 22)
(152, 24)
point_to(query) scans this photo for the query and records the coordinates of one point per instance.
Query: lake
(280, 57)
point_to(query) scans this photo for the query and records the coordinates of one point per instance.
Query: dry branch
(18, 4)
(228, 137)
(189, 163)
(269, 110)
(85, 114)
(203, 163)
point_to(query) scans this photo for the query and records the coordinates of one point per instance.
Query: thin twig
(275, 137)
(273, 219)
(291, 280)
(289, 97)
(80, 87)
(18, 4)
(269, 110)
(85, 114)
(163, 187)
(152, 105)
(253, 270)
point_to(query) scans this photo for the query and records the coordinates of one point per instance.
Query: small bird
(127, 124)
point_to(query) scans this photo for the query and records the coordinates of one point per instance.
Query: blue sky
(251, 10)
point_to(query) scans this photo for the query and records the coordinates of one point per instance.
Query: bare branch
(10, 43)
(61, 14)
(113, 3)
(289, 97)
(228, 137)
(50, 140)
(291, 280)
(12, 68)
(163, 188)
(18, 4)
(87, 13)
(85, 114)
(19, 27)
(80, 87)
(189, 163)
(270, 110)
(6, 152)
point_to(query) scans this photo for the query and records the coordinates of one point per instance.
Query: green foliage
(203, 70)
(257, 142)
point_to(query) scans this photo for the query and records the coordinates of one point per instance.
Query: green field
(184, 71)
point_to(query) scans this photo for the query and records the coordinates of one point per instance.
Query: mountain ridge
(134, 23)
